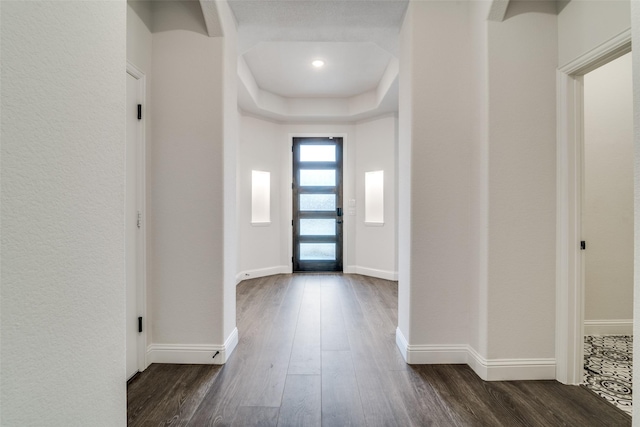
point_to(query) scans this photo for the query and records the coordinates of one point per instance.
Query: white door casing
(135, 224)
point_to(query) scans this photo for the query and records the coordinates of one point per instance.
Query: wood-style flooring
(320, 350)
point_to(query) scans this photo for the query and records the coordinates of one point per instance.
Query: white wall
(139, 37)
(266, 145)
(480, 176)
(63, 277)
(477, 155)
(522, 61)
(261, 148)
(434, 95)
(192, 133)
(186, 166)
(375, 251)
(222, 19)
(404, 165)
(178, 15)
(585, 24)
(608, 193)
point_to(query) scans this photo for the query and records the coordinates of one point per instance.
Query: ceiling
(357, 39)
(284, 68)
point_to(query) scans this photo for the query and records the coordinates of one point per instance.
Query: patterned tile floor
(608, 362)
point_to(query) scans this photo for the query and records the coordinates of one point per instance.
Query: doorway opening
(317, 204)
(570, 294)
(607, 231)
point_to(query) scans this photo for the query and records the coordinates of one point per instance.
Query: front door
(317, 204)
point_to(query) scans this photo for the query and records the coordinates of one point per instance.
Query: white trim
(262, 272)
(430, 354)
(608, 327)
(393, 114)
(372, 272)
(230, 345)
(434, 354)
(199, 354)
(569, 293)
(135, 71)
(194, 354)
(402, 344)
(511, 369)
(487, 369)
(374, 224)
(569, 166)
(261, 224)
(141, 283)
(613, 48)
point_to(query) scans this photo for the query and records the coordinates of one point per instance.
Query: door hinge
(139, 223)
(291, 260)
(139, 111)
(292, 223)
(583, 245)
(139, 324)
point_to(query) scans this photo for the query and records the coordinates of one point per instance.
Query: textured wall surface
(522, 60)
(440, 173)
(63, 140)
(187, 189)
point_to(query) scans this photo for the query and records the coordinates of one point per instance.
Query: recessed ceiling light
(318, 63)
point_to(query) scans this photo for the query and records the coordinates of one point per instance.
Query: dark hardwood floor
(320, 350)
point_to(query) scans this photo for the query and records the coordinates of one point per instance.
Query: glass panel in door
(317, 204)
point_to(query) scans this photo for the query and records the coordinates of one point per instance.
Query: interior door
(317, 204)
(131, 223)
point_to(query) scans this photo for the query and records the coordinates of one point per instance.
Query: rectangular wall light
(374, 198)
(260, 198)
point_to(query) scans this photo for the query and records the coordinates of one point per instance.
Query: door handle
(338, 221)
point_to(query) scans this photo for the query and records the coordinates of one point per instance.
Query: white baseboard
(286, 269)
(230, 344)
(487, 369)
(372, 272)
(608, 327)
(193, 354)
(262, 272)
(430, 354)
(402, 344)
(511, 369)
